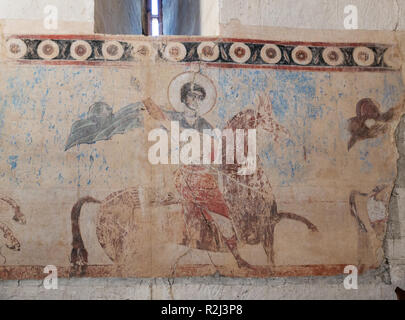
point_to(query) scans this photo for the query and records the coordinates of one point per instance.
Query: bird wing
(128, 118)
(82, 131)
(89, 131)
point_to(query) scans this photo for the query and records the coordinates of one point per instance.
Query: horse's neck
(247, 119)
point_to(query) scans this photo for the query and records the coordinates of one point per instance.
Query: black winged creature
(102, 124)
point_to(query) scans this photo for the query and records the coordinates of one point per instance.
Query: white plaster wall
(314, 14)
(27, 16)
(209, 17)
(79, 16)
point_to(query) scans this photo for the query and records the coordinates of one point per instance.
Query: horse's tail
(79, 255)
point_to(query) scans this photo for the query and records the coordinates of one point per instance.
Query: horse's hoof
(242, 264)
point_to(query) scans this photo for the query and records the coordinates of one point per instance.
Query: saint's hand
(154, 110)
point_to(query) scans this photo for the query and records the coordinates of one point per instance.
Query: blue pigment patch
(314, 112)
(302, 83)
(12, 161)
(390, 93)
(79, 156)
(367, 166)
(280, 104)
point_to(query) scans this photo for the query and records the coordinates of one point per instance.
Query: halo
(174, 91)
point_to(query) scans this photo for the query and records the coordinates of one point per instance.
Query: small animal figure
(372, 198)
(369, 121)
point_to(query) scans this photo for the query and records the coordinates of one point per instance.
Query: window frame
(150, 17)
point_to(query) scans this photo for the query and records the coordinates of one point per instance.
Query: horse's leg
(268, 233)
(232, 244)
(296, 217)
(268, 244)
(276, 217)
(228, 234)
(353, 209)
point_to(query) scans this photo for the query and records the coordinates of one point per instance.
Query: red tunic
(200, 189)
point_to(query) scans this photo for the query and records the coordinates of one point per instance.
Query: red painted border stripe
(126, 64)
(301, 68)
(103, 271)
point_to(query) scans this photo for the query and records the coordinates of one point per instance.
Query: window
(154, 15)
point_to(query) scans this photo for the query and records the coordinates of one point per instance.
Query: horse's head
(266, 121)
(264, 108)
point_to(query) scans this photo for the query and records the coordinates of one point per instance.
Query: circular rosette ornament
(208, 51)
(175, 51)
(392, 58)
(112, 50)
(192, 81)
(16, 48)
(333, 56)
(143, 51)
(80, 50)
(302, 55)
(239, 52)
(48, 50)
(270, 53)
(363, 56)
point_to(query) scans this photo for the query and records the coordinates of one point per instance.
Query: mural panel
(137, 157)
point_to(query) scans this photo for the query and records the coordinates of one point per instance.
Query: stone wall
(25, 16)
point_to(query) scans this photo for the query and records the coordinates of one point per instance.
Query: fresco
(10, 241)
(138, 157)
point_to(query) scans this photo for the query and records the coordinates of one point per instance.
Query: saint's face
(194, 99)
